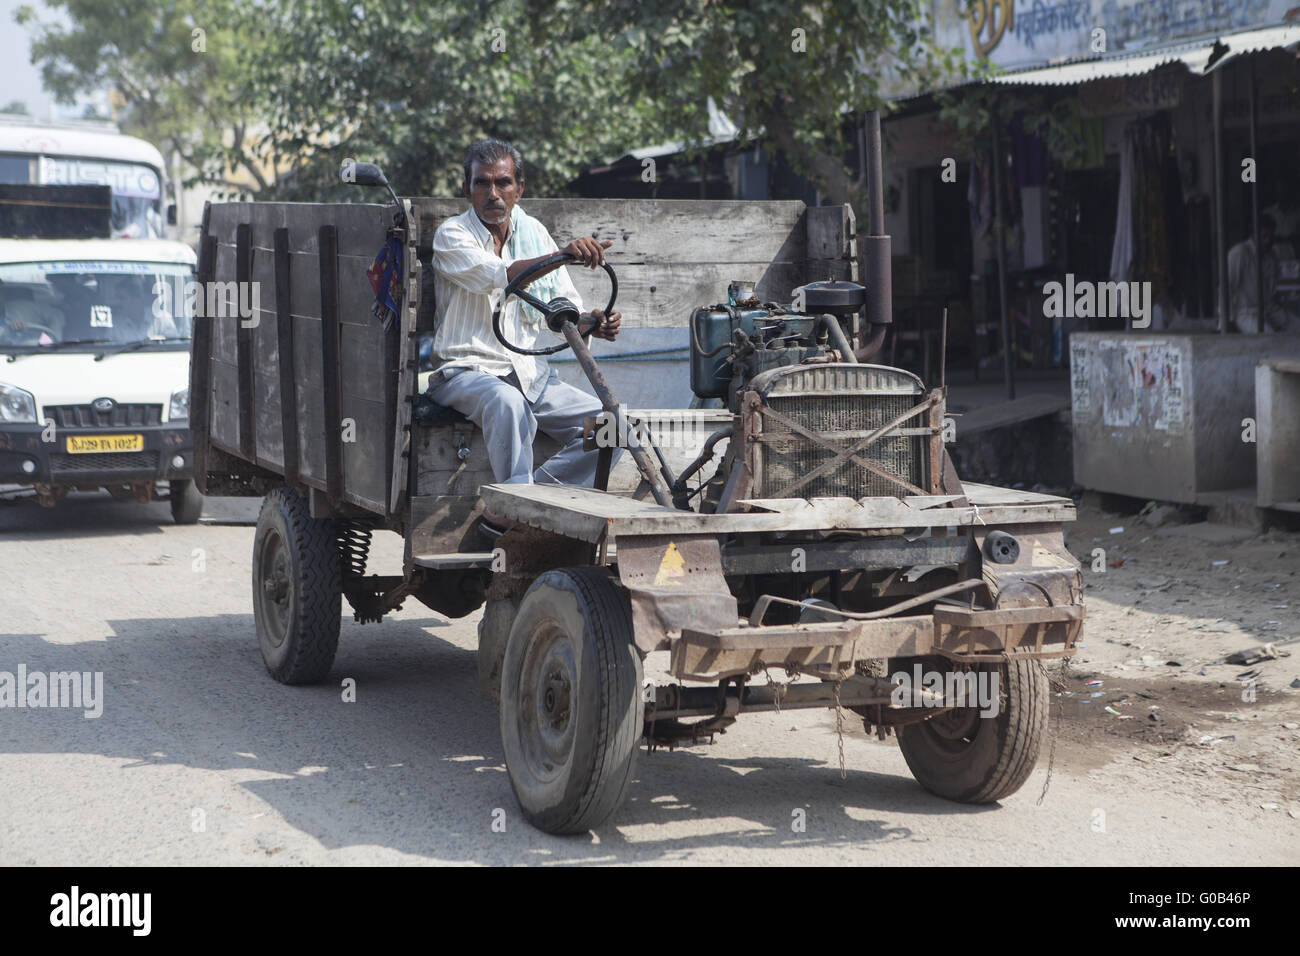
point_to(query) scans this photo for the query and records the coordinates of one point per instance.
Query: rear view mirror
(362, 174)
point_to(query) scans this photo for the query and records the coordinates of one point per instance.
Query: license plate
(85, 444)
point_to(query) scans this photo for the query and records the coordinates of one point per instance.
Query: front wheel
(297, 589)
(970, 758)
(571, 707)
(186, 500)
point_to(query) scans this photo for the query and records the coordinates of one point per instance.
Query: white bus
(91, 154)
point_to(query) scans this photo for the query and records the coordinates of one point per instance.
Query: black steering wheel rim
(515, 288)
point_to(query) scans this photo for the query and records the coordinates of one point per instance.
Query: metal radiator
(841, 404)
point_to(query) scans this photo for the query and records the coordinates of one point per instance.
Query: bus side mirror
(171, 214)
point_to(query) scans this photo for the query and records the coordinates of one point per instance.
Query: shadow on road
(415, 763)
(93, 515)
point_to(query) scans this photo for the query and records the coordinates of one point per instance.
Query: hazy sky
(22, 81)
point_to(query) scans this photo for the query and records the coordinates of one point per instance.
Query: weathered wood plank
(359, 226)
(287, 396)
(587, 514)
(653, 230)
(402, 360)
(307, 372)
(663, 295)
(223, 413)
(831, 233)
(330, 370)
(672, 256)
(364, 458)
(244, 346)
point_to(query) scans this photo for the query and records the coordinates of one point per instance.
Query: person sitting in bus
(24, 322)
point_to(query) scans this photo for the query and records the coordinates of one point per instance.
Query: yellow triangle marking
(672, 568)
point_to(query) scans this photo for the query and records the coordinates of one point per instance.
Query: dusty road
(199, 757)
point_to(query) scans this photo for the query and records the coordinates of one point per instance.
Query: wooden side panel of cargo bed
(301, 386)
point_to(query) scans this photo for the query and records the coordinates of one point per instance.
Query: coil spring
(354, 547)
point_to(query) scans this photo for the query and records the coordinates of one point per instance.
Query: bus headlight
(17, 406)
(179, 409)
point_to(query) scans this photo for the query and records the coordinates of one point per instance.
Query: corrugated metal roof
(1253, 41)
(1195, 56)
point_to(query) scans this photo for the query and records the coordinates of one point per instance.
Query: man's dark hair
(489, 151)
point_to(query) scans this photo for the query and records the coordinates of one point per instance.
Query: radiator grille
(844, 405)
(99, 462)
(119, 416)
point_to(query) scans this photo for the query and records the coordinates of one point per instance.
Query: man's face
(493, 190)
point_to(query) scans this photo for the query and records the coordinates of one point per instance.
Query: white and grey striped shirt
(468, 280)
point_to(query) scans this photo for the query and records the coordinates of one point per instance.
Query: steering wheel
(556, 312)
(30, 325)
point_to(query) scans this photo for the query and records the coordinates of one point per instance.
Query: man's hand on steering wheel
(606, 325)
(588, 251)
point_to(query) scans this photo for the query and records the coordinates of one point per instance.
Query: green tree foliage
(410, 84)
(790, 74)
(174, 70)
(300, 85)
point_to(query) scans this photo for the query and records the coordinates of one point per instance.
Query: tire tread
(314, 635)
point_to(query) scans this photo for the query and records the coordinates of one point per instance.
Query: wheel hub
(276, 589)
(547, 682)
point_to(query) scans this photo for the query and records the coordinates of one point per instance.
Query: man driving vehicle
(508, 395)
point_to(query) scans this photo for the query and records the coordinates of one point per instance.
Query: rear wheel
(571, 707)
(186, 501)
(297, 589)
(972, 759)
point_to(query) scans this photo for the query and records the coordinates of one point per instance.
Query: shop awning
(1256, 41)
(1199, 57)
(1194, 56)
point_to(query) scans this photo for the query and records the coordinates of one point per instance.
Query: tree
(410, 84)
(792, 75)
(16, 107)
(176, 67)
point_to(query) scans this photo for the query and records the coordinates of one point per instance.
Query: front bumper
(833, 649)
(50, 464)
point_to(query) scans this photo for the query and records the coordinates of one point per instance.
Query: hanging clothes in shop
(1198, 252)
(1182, 270)
(1122, 251)
(1028, 154)
(1085, 134)
(1155, 262)
(979, 197)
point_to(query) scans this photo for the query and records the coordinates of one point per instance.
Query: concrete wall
(1277, 411)
(1161, 416)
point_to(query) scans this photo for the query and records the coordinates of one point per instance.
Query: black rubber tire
(571, 644)
(997, 758)
(298, 627)
(186, 501)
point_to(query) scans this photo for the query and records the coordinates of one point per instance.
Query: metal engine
(817, 419)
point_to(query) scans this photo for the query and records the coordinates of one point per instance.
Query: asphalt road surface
(199, 757)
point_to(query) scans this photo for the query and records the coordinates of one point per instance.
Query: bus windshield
(137, 188)
(60, 304)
